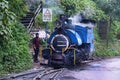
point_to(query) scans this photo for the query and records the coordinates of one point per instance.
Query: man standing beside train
(36, 46)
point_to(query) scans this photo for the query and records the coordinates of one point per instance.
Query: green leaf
(1, 33)
(1, 23)
(1, 16)
(4, 31)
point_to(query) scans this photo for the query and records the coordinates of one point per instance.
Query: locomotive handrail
(74, 57)
(63, 49)
(29, 27)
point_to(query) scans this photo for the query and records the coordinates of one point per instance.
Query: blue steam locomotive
(70, 43)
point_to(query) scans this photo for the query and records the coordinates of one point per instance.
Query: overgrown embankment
(14, 40)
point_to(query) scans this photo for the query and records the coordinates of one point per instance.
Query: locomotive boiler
(70, 43)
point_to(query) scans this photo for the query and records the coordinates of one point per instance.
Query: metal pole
(46, 33)
(46, 25)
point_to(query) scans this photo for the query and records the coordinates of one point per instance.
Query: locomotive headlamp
(59, 42)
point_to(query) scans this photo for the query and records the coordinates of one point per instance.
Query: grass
(102, 50)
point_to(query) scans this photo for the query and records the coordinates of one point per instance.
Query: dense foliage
(87, 7)
(15, 55)
(19, 7)
(105, 48)
(5, 19)
(110, 7)
(14, 50)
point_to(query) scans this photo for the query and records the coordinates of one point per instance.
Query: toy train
(70, 43)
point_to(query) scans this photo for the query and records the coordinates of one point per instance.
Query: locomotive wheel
(68, 62)
(85, 55)
(55, 66)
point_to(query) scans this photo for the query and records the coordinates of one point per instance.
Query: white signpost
(47, 15)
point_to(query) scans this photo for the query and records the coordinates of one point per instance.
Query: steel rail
(53, 74)
(26, 73)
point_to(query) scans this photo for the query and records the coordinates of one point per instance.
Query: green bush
(19, 7)
(103, 49)
(15, 55)
(14, 40)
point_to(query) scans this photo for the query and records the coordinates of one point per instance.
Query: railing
(29, 27)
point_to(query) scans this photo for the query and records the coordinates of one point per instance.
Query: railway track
(39, 74)
(51, 74)
(43, 73)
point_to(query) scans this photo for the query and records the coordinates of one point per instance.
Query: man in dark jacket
(63, 20)
(36, 46)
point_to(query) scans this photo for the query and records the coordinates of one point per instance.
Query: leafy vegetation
(104, 48)
(19, 7)
(110, 7)
(15, 55)
(39, 22)
(87, 7)
(5, 20)
(14, 50)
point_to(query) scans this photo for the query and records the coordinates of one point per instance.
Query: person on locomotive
(58, 24)
(63, 20)
(36, 45)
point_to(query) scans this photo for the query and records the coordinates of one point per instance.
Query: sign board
(47, 15)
